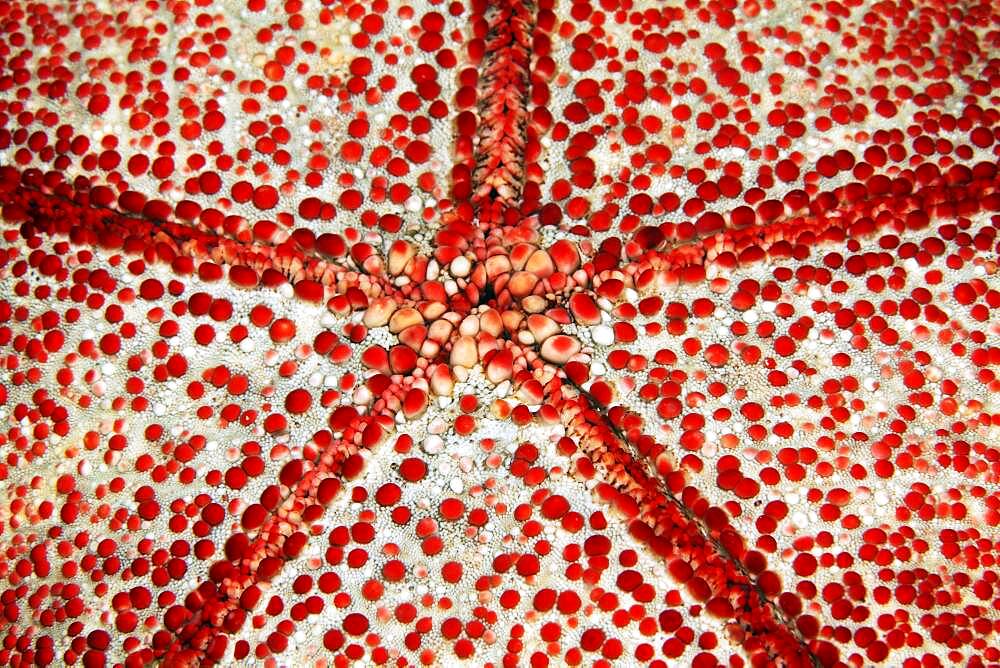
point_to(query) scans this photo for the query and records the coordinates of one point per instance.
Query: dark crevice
(487, 294)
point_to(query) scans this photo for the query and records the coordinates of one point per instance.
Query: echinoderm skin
(499, 333)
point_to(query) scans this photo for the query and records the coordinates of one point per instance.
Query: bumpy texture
(515, 332)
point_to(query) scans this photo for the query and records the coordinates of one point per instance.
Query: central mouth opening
(488, 295)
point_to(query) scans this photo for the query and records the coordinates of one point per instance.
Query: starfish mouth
(488, 296)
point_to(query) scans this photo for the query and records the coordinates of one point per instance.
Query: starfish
(505, 332)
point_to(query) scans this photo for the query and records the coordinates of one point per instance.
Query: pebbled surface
(500, 333)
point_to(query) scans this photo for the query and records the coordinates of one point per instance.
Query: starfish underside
(499, 333)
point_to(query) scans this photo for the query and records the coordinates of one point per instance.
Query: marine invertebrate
(509, 332)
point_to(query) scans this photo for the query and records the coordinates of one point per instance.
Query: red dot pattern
(513, 332)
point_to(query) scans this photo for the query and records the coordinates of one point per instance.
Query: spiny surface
(548, 333)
